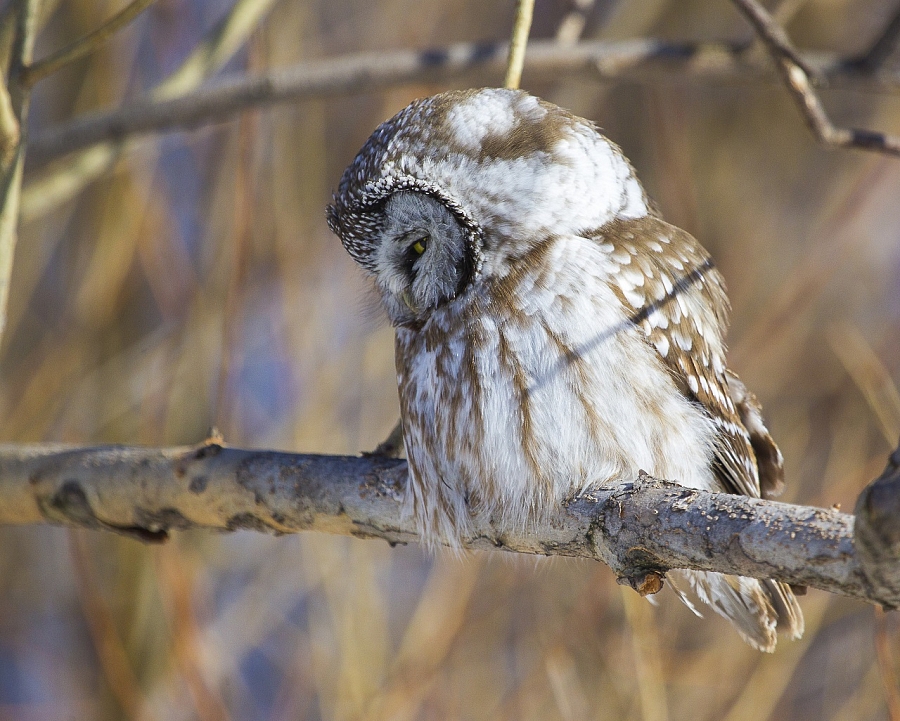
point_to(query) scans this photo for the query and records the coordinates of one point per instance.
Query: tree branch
(640, 529)
(518, 43)
(368, 72)
(13, 161)
(218, 45)
(86, 45)
(799, 78)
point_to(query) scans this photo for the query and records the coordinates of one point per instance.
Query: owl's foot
(390, 447)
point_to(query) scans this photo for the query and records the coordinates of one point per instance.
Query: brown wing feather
(768, 458)
(678, 299)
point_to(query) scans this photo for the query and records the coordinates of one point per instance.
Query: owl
(553, 333)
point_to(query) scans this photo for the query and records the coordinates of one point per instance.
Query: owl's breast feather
(536, 386)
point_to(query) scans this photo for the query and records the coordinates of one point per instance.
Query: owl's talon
(390, 447)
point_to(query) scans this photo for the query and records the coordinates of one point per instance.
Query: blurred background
(195, 284)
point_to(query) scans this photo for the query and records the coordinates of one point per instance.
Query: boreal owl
(553, 333)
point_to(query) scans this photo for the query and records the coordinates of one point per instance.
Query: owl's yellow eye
(420, 245)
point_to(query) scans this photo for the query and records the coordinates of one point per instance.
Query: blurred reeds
(197, 285)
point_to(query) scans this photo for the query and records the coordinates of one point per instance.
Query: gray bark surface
(640, 528)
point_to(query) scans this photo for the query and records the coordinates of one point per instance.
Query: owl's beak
(407, 299)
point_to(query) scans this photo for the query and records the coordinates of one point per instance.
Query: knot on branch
(643, 571)
(645, 584)
(70, 504)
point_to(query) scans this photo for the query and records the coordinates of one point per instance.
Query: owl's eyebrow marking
(576, 353)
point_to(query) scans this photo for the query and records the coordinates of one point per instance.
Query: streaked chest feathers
(521, 394)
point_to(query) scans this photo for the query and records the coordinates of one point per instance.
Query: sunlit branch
(369, 72)
(640, 527)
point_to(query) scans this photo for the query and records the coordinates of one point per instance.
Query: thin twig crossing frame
(518, 43)
(799, 78)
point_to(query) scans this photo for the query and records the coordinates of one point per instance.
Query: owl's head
(460, 185)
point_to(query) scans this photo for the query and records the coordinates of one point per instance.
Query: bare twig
(372, 71)
(799, 77)
(14, 158)
(83, 46)
(772, 34)
(10, 130)
(518, 43)
(219, 44)
(640, 529)
(783, 11)
(231, 95)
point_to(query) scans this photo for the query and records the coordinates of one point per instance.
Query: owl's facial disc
(421, 259)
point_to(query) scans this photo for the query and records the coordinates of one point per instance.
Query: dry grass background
(197, 284)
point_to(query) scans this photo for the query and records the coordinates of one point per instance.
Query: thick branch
(372, 71)
(640, 529)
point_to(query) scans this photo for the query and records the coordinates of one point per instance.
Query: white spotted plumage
(552, 332)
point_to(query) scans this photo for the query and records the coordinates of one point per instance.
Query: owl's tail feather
(790, 617)
(755, 608)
